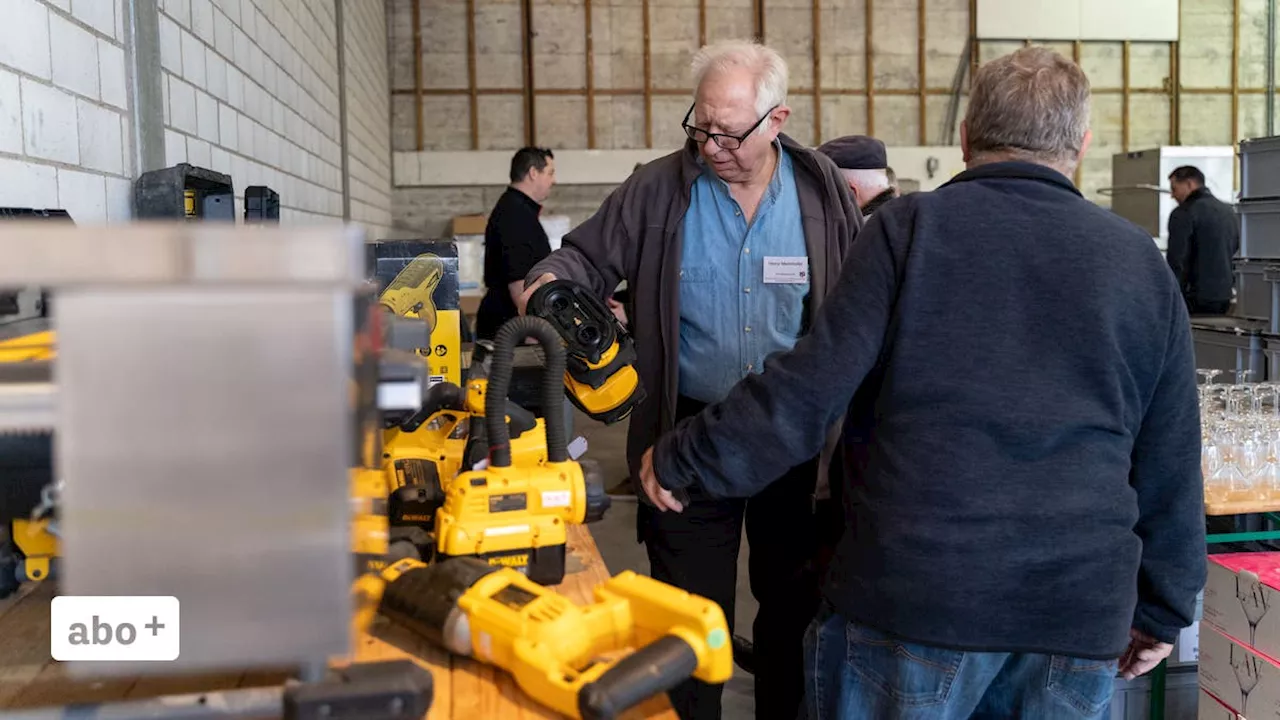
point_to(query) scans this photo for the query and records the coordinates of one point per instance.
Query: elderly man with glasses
(728, 247)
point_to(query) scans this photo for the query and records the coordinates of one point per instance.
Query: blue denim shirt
(733, 313)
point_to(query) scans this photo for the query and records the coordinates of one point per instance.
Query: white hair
(870, 181)
(764, 63)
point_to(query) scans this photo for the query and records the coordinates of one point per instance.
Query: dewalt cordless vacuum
(600, 376)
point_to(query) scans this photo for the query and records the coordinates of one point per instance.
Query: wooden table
(463, 688)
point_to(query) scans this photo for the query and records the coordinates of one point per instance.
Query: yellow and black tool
(600, 377)
(515, 514)
(565, 656)
(28, 536)
(410, 293)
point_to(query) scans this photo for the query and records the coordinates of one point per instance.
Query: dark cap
(856, 152)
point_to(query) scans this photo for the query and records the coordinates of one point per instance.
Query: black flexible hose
(509, 336)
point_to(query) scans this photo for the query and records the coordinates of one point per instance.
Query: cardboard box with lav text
(1243, 679)
(420, 277)
(1241, 598)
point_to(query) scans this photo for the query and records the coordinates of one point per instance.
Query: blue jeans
(855, 672)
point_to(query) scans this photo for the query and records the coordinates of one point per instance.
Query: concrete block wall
(65, 109)
(368, 108)
(247, 87)
(251, 89)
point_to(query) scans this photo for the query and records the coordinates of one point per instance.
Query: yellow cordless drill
(600, 377)
(562, 655)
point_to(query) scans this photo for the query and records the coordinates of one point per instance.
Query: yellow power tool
(600, 376)
(507, 513)
(569, 658)
(410, 293)
(30, 551)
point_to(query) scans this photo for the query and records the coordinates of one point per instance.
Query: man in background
(728, 247)
(1013, 538)
(514, 240)
(864, 162)
(1203, 237)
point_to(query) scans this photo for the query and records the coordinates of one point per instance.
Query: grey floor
(616, 537)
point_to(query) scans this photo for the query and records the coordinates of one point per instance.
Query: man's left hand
(660, 497)
(1143, 655)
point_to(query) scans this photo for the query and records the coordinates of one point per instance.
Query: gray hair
(873, 181)
(1032, 104)
(765, 64)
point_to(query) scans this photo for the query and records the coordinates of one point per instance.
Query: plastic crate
(1260, 168)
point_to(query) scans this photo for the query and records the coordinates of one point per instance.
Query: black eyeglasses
(724, 140)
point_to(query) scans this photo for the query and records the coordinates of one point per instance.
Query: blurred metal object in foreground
(386, 690)
(203, 421)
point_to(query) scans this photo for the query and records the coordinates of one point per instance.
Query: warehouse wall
(64, 108)
(248, 87)
(251, 89)
(368, 108)
(473, 80)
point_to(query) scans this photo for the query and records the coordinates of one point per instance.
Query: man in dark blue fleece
(1023, 501)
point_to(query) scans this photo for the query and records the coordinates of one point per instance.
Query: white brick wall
(251, 90)
(64, 127)
(368, 113)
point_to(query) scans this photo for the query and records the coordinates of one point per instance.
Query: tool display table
(463, 688)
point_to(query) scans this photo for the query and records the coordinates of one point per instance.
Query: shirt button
(747, 251)
(747, 329)
(747, 290)
(750, 366)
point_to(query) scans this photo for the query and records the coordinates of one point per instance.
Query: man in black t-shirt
(514, 240)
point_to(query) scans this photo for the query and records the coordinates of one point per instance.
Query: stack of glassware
(1240, 439)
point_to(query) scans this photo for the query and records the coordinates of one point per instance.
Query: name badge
(786, 270)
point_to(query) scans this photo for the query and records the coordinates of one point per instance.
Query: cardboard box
(1211, 708)
(387, 258)
(469, 224)
(1243, 679)
(1241, 598)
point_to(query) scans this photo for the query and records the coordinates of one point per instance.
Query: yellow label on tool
(189, 202)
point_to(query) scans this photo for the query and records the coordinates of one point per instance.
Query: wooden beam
(817, 71)
(591, 77)
(922, 32)
(526, 55)
(417, 72)
(1175, 96)
(758, 12)
(1235, 76)
(870, 66)
(974, 55)
(1124, 102)
(1075, 55)
(471, 74)
(702, 22)
(648, 78)
(880, 92)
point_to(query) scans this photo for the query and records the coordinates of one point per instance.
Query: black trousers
(697, 550)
